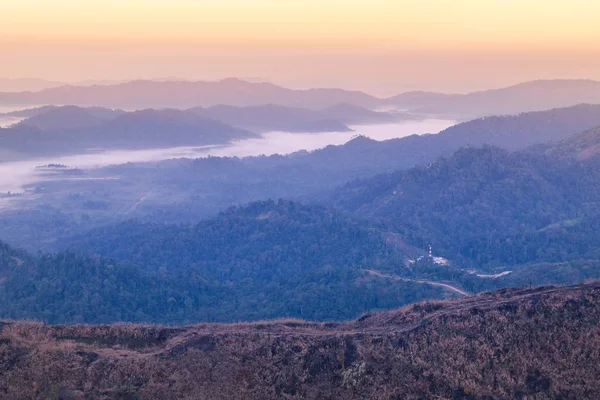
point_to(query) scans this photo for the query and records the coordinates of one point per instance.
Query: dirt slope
(539, 343)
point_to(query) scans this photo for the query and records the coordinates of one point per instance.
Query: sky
(380, 46)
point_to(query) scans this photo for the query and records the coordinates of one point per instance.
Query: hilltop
(527, 343)
(489, 207)
(583, 146)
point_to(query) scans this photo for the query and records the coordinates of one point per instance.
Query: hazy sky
(382, 46)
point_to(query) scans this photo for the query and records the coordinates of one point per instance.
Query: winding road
(425, 282)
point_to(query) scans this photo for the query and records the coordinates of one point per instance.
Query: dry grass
(539, 343)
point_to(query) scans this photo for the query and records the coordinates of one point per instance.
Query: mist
(14, 176)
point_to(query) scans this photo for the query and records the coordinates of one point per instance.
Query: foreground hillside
(538, 343)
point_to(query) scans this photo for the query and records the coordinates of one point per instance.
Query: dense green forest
(273, 259)
(530, 216)
(489, 207)
(255, 239)
(266, 260)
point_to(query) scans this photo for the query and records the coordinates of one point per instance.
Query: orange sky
(375, 45)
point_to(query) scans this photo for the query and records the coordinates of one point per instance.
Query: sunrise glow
(262, 37)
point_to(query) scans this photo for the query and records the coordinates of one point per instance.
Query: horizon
(383, 47)
(370, 199)
(174, 79)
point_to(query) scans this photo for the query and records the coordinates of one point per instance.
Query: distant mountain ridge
(515, 132)
(187, 189)
(511, 132)
(262, 118)
(524, 97)
(100, 112)
(103, 128)
(184, 95)
(67, 117)
(272, 117)
(74, 130)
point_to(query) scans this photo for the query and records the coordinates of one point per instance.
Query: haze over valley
(299, 200)
(76, 177)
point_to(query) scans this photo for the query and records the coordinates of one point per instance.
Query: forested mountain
(99, 127)
(540, 343)
(500, 218)
(63, 131)
(186, 190)
(524, 97)
(514, 132)
(66, 117)
(253, 118)
(490, 207)
(265, 235)
(583, 146)
(266, 260)
(163, 128)
(35, 111)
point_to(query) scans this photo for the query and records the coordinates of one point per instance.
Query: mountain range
(279, 118)
(488, 207)
(186, 190)
(61, 130)
(524, 97)
(184, 95)
(257, 118)
(529, 96)
(74, 130)
(460, 219)
(480, 219)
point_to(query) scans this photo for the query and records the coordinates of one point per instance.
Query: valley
(458, 204)
(297, 200)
